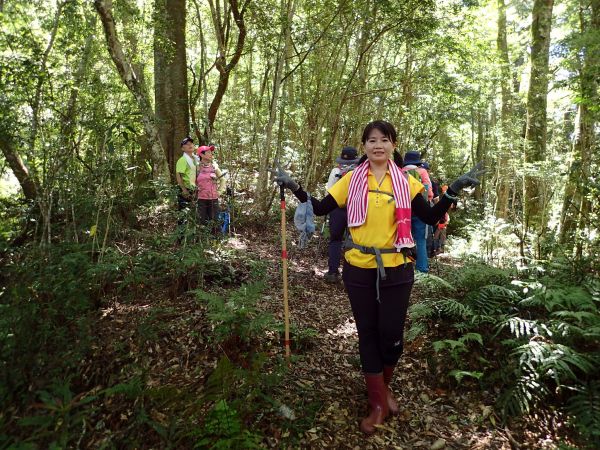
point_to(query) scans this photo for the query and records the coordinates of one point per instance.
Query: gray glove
(468, 179)
(282, 178)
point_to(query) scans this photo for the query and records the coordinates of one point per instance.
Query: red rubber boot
(377, 403)
(388, 372)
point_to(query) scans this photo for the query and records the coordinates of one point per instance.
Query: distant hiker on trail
(210, 182)
(439, 237)
(378, 273)
(412, 166)
(337, 218)
(185, 175)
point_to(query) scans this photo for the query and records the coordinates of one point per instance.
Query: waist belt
(349, 244)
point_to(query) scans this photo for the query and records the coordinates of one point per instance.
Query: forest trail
(323, 388)
(328, 373)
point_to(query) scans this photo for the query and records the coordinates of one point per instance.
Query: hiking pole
(284, 261)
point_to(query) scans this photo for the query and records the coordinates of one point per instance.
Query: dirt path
(328, 374)
(324, 387)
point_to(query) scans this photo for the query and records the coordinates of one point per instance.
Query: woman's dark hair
(388, 131)
(398, 159)
(386, 128)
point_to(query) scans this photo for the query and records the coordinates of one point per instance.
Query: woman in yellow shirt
(378, 270)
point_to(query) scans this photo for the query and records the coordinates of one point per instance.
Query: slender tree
(222, 17)
(576, 205)
(287, 7)
(170, 77)
(506, 141)
(131, 79)
(536, 131)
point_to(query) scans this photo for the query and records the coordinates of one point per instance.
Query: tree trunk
(37, 97)
(170, 78)
(480, 149)
(198, 86)
(405, 105)
(576, 205)
(67, 126)
(222, 30)
(505, 141)
(535, 134)
(28, 184)
(133, 83)
(285, 40)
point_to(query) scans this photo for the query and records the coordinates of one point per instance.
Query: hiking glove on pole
(282, 178)
(468, 179)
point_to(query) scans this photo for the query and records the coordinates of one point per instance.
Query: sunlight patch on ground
(119, 308)
(236, 243)
(317, 271)
(345, 329)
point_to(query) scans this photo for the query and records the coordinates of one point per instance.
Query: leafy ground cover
(198, 363)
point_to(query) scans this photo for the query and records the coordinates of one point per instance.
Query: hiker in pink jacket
(209, 184)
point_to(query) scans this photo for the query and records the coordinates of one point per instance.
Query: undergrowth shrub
(49, 302)
(535, 339)
(223, 429)
(237, 322)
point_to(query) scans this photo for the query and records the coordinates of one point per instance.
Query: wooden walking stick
(284, 261)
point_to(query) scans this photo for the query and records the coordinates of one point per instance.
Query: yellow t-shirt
(379, 229)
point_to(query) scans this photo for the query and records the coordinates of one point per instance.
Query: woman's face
(378, 147)
(207, 156)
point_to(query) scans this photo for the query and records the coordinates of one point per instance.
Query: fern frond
(454, 308)
(472, 337)
(432, 282)
(580, 317)
(584, 407)
(554, 361)
(493, 300)
(523, 395)
(520, 327)
(420, 310)
(415, 330)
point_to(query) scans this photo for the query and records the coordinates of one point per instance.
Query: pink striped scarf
(358, 201)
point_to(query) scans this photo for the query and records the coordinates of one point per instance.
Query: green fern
(238, 315)
(555, 361)
(479, 274)
(221, 383)
(432, 284)
(519, 398)
(416, 329)
(223, 429)
(520, 327)
(421, 311)
(453, 308)
(584, 408)
(493, 300)
(553, 296)
(581, 317)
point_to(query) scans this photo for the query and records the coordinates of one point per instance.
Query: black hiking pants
(184, 204)
(208, 211)
(380, 324)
